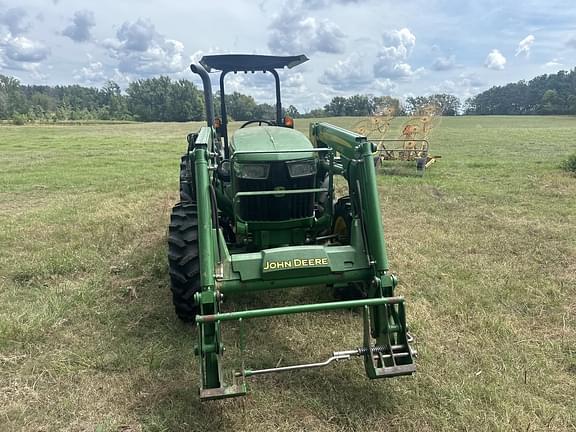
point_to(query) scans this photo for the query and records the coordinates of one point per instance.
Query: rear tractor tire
(184, 259)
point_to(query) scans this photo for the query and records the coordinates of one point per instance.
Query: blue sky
(378, 47)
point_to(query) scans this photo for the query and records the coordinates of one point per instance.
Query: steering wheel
(269, 123)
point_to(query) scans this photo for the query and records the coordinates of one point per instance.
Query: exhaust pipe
(208, 98)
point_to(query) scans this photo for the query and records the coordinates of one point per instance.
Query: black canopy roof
(248, 62)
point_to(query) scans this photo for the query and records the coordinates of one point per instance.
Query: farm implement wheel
(183, 259)
(363, 127)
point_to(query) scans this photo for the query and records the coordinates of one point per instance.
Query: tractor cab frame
(235, 63)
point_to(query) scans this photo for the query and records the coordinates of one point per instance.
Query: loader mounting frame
(385, 346)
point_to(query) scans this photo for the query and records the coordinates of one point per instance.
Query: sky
(377, 47)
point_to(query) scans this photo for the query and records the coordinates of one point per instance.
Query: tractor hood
(271, 139)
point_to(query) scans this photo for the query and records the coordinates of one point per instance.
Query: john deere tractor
(258, 212)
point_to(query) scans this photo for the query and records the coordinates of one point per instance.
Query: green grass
(484, 244)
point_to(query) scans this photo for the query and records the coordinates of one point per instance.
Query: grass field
(484, 244)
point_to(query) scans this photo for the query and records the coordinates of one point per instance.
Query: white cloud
(14, 20)
(391, 60)
(294, 80)
(463, 86)
(571, 42)
(525, 45)
(495, 60)
(318, 4)
(443, 63)
(136, 36)
(347, 74)
(261, 86)
(399, 43)
(471, 80)
(141, 50)
(354, 75)
(81, 26)
(385, 86)
(294, 88)
(197, 56)
(21, 53)
(293, 33)
(93, 73)
(553, 64)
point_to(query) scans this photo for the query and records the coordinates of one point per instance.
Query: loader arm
(357, 166)
(384, 322)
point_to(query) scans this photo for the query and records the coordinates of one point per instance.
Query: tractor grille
(276, 208)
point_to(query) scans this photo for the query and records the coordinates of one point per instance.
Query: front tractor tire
(342, 228)
(184, 259)
(187, 192)
(342, 220)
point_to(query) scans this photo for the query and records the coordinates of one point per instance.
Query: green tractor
(258, 212)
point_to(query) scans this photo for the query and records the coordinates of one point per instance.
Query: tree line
(545, 94)
(362, 105)
(164, 99)
(155, 99)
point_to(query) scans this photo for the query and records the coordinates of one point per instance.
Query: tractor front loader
(258, 212)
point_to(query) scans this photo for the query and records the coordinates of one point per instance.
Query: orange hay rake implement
(413, 143)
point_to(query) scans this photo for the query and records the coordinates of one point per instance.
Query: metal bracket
(389, 359)
(223, 392)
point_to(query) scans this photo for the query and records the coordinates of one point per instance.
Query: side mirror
(223, 170)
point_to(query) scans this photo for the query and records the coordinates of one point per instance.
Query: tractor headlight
(252, 171)
(302, 168)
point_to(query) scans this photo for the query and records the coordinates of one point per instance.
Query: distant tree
(447, 104)
(185, 102)
(12, 101)
(571, 103)
(240, 106)
(43, 101)
(386, 105)
(148, 99)
(362, 106)
(316, 113)
(414, 105)
(469, 106)
(292, 111)
(161, 99)
(113, 103)
(265, 111)
(544, 94)
(441, 104)
(552, 102)
(336, 107)
(359, 106)
(62, 112)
